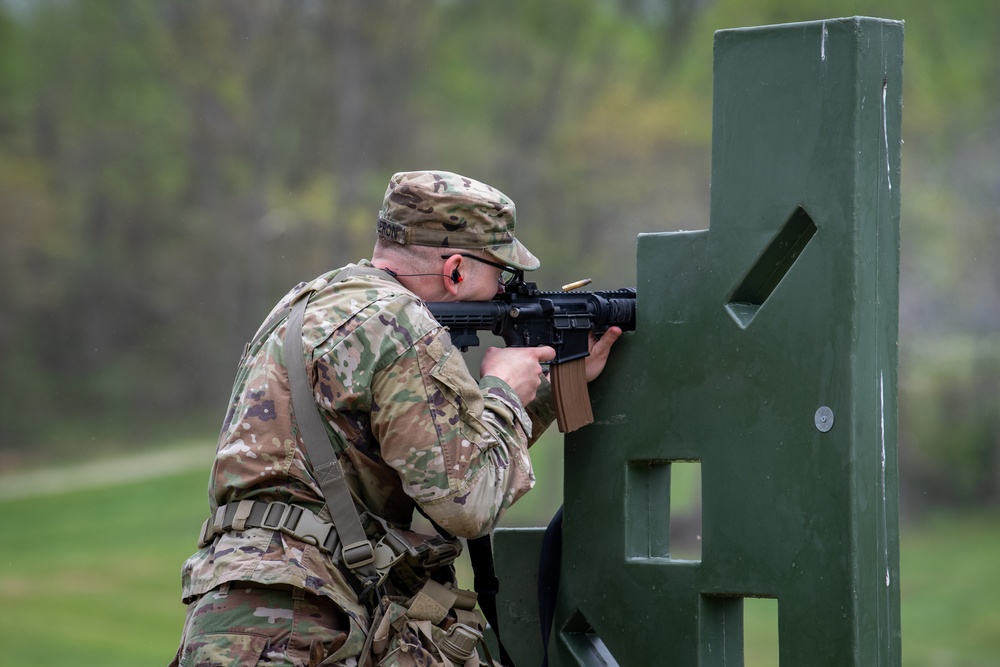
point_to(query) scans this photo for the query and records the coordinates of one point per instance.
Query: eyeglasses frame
(516, 275)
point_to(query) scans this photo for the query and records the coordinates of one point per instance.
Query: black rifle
(526, 317)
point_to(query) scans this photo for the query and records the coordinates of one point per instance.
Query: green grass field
(91, 577)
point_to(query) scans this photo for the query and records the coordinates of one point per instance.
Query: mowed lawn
(91, 577)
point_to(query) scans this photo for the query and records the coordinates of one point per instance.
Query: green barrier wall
(765, 353)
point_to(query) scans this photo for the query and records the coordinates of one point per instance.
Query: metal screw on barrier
(824, 419)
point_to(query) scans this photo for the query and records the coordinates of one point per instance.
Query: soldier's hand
(520, 367)
(599, 350)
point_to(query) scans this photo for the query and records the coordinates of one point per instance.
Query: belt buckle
(274, 515)
(357, 555)
(385, 558)
(304, 526)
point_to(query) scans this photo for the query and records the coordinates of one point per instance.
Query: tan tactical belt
(292, 520)
(427, 551)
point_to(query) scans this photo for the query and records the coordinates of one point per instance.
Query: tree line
(169, 168)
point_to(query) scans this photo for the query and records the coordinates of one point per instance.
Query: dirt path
(127, 469)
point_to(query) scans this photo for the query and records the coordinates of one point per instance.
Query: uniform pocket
(453, 376)
(223, 650)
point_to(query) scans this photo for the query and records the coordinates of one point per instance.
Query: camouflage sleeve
(460, 447)
(541, 411)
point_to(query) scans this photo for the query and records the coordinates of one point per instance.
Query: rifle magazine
(569, 388)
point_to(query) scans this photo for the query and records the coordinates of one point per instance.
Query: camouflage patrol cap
(439, 208)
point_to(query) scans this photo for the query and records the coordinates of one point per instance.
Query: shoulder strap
(358, 554)
(279, 316)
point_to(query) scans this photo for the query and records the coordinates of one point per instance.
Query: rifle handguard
(526, 317)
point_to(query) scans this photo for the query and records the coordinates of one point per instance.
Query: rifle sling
(358, 553)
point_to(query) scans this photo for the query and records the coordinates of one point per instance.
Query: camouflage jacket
(413, 425)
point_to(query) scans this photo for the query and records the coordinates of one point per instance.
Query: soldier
(273, 581)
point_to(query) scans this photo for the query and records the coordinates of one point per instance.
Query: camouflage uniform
(411, 425)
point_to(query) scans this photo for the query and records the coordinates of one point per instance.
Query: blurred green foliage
(169, 168)
(951, 421)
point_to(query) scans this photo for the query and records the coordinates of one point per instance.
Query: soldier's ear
(451, 274)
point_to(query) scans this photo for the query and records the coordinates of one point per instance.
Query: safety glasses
(509, 275)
